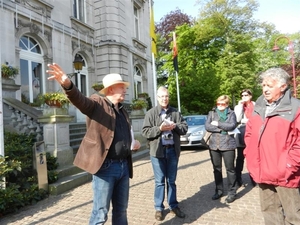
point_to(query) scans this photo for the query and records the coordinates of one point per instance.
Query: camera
(167, 136)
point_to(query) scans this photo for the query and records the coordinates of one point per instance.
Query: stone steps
(70, 176)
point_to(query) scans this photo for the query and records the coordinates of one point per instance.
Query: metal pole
(1, 101)
(178, 95)
(2, 182)
(291, 48)
(154, 79)
(291, 51)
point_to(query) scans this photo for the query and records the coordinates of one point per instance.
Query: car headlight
(198, 133)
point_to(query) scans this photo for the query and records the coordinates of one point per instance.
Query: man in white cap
(105, 149)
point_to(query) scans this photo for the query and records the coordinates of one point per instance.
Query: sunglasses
(221, 104)
(245, 95)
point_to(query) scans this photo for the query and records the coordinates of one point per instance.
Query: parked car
(196, 131)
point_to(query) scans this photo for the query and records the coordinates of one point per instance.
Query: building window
(79, 9)
(138, 87)
(136, 22)
(29, 44)
(31, 69)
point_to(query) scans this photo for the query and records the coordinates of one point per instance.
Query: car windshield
(195, 121)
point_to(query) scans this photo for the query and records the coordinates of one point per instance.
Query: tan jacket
(100, 124)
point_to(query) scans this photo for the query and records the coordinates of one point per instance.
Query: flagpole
(153, 50)
(2, 153)
(1, 104)
(178, 95)
(175, 64)
(154, 79)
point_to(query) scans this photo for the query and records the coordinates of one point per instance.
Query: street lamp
(78, 62)
(291, 50)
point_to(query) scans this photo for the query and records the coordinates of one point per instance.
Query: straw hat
(112, 79)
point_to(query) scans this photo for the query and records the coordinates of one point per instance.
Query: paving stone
(195, 186)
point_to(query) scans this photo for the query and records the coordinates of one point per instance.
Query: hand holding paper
(167, 125)
(135, 144)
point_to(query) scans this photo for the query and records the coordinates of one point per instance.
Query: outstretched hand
(56, 73)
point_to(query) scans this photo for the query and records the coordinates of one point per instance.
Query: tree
(164, 30)
(222, 52)
(168, 24)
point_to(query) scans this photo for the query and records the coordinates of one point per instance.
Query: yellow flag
(152, 32)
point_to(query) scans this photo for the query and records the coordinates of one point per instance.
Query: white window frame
(138, 79)
(30, 56)
(79, 11)
(136, 14)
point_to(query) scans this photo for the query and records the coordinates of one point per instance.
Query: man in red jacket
(273, 149)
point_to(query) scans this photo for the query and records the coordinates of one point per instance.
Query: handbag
(207, 137)
(208, 134)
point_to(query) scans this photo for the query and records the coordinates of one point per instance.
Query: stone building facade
(110, 36)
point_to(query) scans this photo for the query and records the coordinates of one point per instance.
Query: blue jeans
(165, 171)
(111, 183)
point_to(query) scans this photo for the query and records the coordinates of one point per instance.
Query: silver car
(196, 131)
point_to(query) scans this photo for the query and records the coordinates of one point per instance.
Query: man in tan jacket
(105, 149)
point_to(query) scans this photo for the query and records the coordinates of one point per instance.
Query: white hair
(277, 74)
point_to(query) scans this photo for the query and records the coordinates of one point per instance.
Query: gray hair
(277, 74)
(162, 89)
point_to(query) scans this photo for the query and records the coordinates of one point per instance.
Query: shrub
(20, 177)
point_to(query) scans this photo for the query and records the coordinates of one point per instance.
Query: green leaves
(221, 53)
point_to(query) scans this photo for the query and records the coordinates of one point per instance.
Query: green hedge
(16, 168)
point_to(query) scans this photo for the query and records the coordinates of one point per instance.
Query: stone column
(56, 134)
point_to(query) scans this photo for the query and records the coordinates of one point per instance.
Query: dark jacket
(273, 143)
(218, 140)
(100, 124)
(152, 132)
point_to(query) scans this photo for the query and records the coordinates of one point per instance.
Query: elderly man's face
(272, 90)
(163, 98)
(118, 92)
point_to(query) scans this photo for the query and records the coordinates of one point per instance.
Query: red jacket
(273, 143)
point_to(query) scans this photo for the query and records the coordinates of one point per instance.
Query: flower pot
(137, 112)
(53, 103)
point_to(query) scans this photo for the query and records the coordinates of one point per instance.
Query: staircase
(71, 176)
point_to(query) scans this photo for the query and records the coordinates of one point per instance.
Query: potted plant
(138, 104)
(55, 99)
(97, 86)
(8, 72)
(143, 95)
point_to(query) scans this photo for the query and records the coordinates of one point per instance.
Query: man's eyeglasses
(163, 96)
(221, 104)
(245, 95)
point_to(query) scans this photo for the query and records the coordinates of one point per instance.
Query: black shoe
(159, 215)
(217, 196)
(178, 212)
(240, 183)
(230, 198)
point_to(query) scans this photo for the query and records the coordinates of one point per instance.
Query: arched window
(138, 87)
(31, 69)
